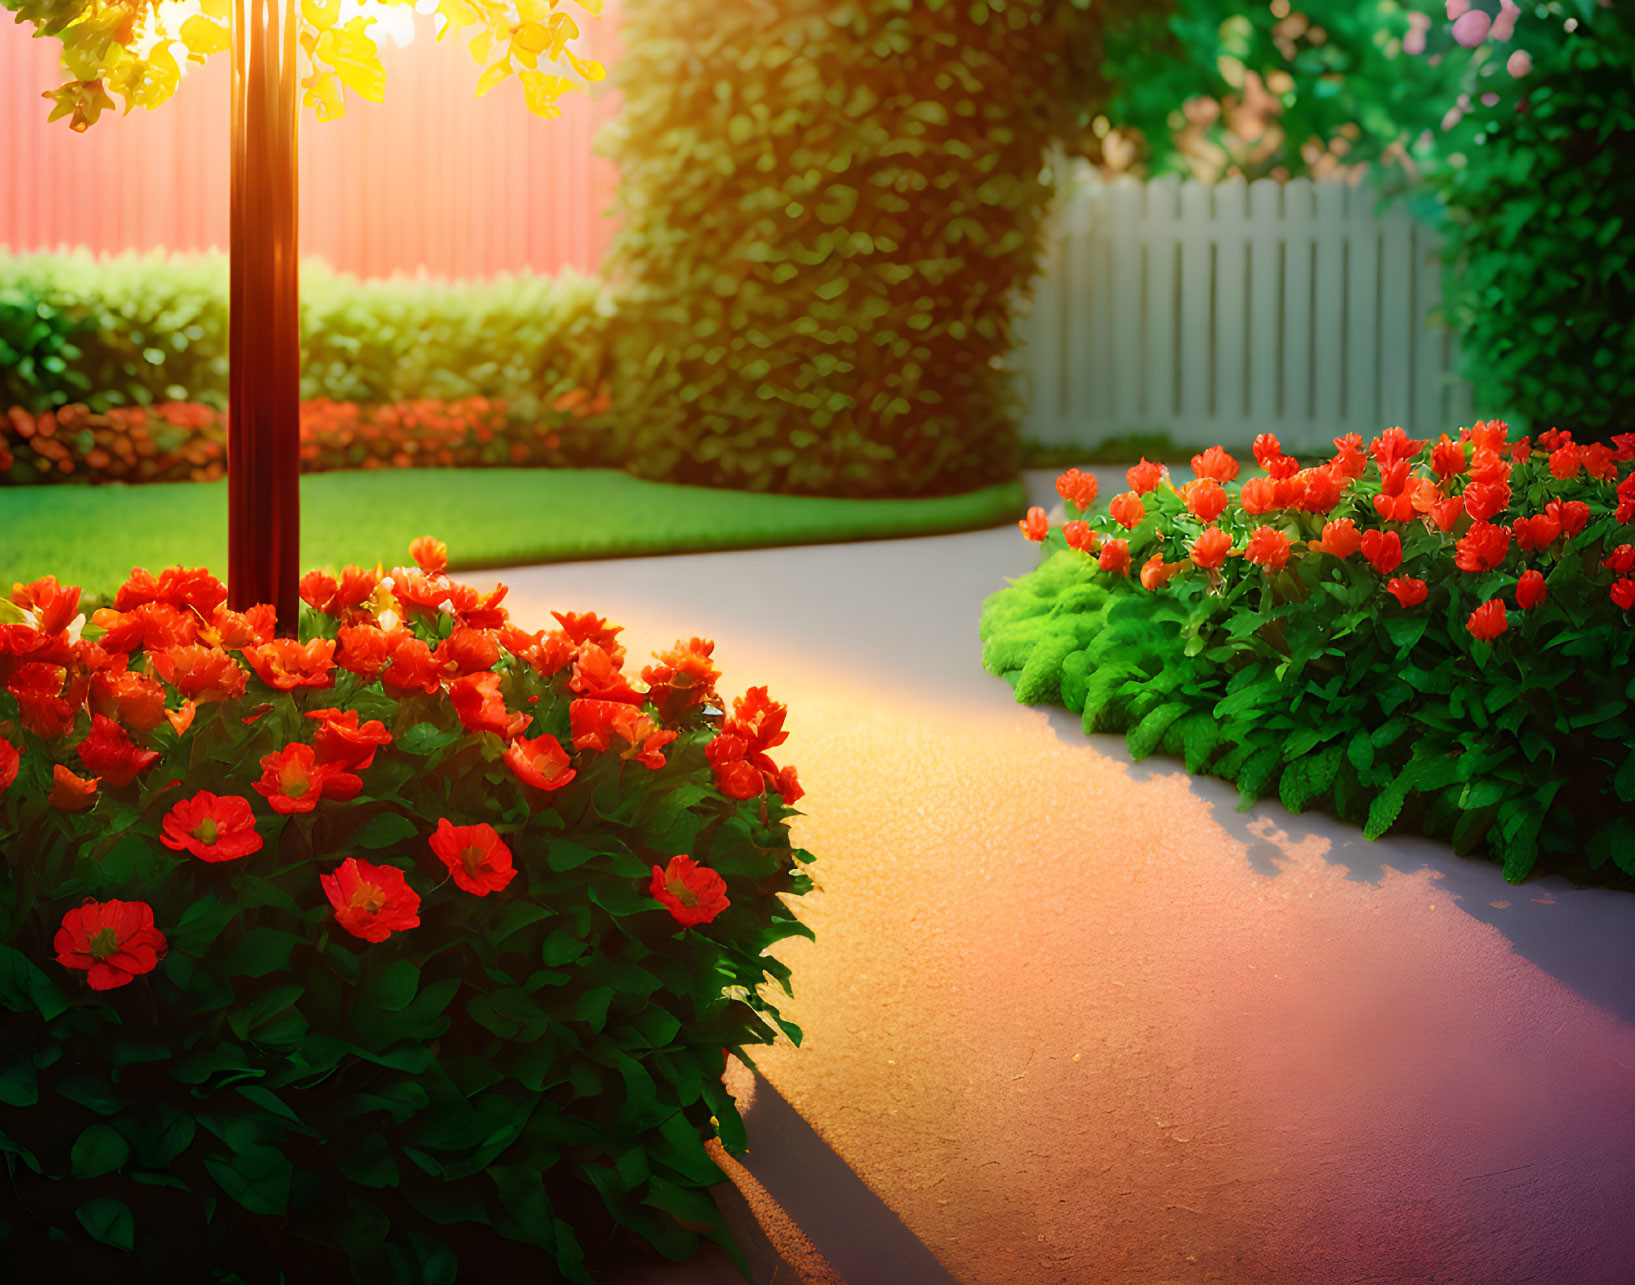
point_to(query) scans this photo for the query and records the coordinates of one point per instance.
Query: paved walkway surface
(1075, 1019)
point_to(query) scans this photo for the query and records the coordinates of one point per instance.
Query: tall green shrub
(829, 209)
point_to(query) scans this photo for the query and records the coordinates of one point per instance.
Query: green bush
(1392, 658)
(153, 328)
(244, 1063)
(829, 208)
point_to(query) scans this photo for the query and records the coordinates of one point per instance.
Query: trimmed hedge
(1449, 648)
(829, 212)
(138, 330)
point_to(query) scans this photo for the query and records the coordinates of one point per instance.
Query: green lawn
(93, 536)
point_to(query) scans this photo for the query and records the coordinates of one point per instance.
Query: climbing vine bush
(1412, 632)
(327, 952)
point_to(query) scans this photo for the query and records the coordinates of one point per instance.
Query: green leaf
(109, 1221)
(385, 830)
(370, 1163)
(256, 1177)
(18, 1085)
(24, 986)
(98, 1150)
(259, 952)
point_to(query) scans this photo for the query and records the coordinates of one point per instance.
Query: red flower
(1599, 461)
(1145, 476)
(322, 592)
(201, 674)
(484, 613)
(1408, 591)
(1268, 547)
(54, 607)
(135, 700)
(540, 762)
(292, 780)
(1522, 451)
(10, 758)
(693, 894)
(1349, 460)
(1448, 458)
(113, 941)
(1482, 548)
(1340, 538)
(1205, 499)
(1115, 557)
(1320, 489)
(1621, 561)
(596, 676)
(70, 793)
(416, 591)
(287, 664)
(342, 741)
(476, 857)
(1623, 446)
(371, 902)
(1565, 462)
(1488, 621)
(46, 701)
(1156, 573)
(1209, 550)
(1080, 537)
(1395, 508)
(179, 587)
(1259, 495)
(684, 678)
(1484, 500)
(468, 651)
(1394, 476)
(1078, 489)
(588, 627)
(317, 589)
(1489, 435)
(364, 651)
(1446, 513)
(1623, 593)
(413, 667)
(432, 555)
(152, 626)
(735, 776)
(1536, 533)
(238, 630)
(1530, 590)
(1392, 445)
(1215, 463)
(481, 708)
(1383, 549)
(1127, 510)
(1269, 455)
(759, 720)
(109, 754)
(596, 723)
(1036, 526)
(213, 828)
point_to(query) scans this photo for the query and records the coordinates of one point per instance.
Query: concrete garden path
(1075, 1019)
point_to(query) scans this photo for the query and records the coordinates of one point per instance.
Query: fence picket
(1265, 284)
(1197, 287)
(1231, 318)
(1125, 208)
(1159, 399)
(1295, 410)
(1396, 328)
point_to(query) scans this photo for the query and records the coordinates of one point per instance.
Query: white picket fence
(1212, 313)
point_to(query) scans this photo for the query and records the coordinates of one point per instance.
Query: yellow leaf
(354, 58)
(482, 44)
(534, 10)
(592, 7)
(326, 97)
(532, 37)
(498, 72)
(589, 70)
(457, 14)
(321, 14)
(540, 92)
(222, 9)
(203, 38)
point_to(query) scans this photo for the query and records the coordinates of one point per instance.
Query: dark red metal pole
(264, 343)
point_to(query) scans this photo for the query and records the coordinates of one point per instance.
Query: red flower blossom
(597, 677)
(151, 626)
(1080, 537)
(112, 941)
(179, 587)
(1598, 461)
(292, 780)
(759, 720)
(1446, 513)
(685, 677)
(1408, 591)
(486, 612)
(1115, 557)
(1621, 561)
(1259, 495)
(1395, 508)
(1349, 460)
(1488, 621)
(1484, 500)
(1394, 476)
(317, 590)
(1522, 451)
(1448, 458)
(46, 701)
(477, 858)
(588, 627)
(364, 650)
(212, 827)
(1530, 590)
(467, 651)
(1268, 547)
(693, 894)
(323, 592)
(1269, 455)
(10, 759)
(540, 762)
(1320, 489)
(1623, 593)
(1392, 445)
(416, 591)
(287, 664)
(1383, 549)
(481, 708)
(343, 741)
(1036, 526)
(237, 630)
(1205, 499)
(54, 607)
(1156, 573)
(413, 667)
(1482, 548)
(735, 776)
(1565, 462)
(1078, 489)
(596, 723)
(1340, 538)
(1215, 463)
(1623, 446)
(371, 902)
(1127, 510)
(108, 753)
(135, 700)
(432, 555)
(1145, 476)
(70, 793)
(1536, 533)
(1209, 550)
(1489, 435)
(201, 674)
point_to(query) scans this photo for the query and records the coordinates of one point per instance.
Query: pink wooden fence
(432, 177)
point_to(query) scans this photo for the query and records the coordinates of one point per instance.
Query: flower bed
(331, 950)
(1427, 633)
(187, 441)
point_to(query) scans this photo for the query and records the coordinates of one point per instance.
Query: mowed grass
(93, 535)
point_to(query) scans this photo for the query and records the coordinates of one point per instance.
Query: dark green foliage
(828, 208)
(37, 355)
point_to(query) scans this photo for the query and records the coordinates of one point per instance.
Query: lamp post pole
(264, 344)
